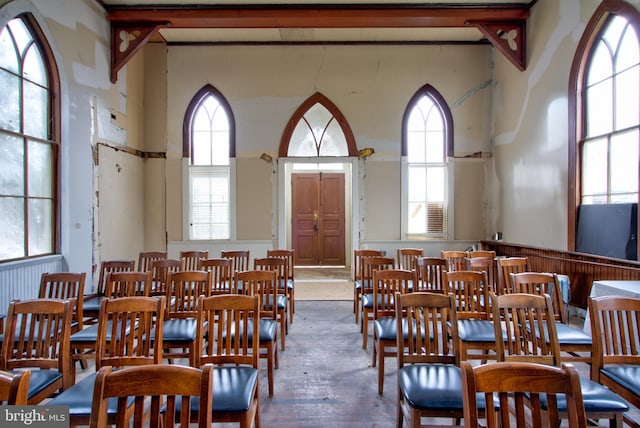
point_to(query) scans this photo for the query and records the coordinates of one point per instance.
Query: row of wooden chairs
(427, 330)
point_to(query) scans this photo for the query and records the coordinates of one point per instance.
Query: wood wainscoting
(582, 269)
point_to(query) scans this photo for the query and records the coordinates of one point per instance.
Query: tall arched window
(604, 152)
(426, 144)
(210, 135)
(28, 142)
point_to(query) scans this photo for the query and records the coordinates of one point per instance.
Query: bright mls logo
(34, 416)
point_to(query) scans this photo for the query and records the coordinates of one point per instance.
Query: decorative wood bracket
(508, 37)
(127, 39)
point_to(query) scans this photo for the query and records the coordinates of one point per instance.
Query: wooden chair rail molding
(582, 269)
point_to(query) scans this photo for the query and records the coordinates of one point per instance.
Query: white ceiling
(315, 35)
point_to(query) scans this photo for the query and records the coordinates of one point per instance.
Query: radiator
(21, 280)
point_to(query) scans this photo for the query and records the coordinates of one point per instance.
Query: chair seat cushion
(92, 304)
(79, 397)
(281, 302)
(41, 380)
(627, 375)
(179, 330)
(267, 330)
(433, 387)
(476, 331)
(90, 334)
(596, 398)
(568, 335)
(233, 390)
(385, 328)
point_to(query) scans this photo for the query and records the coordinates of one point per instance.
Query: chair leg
(270, 363)
(365, 328)
(380, 365)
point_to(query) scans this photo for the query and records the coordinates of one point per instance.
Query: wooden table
(627, 288)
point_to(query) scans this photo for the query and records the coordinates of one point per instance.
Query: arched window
(426, 144)
(28, 142)
(210, 135)
(604, 152)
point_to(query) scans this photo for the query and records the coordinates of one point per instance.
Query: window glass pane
(12, 228)
(627, 102)
(435, 184)
(36, 108)
(40, 170)
(21, 35)
(210, 134)
(220, 120)
(435, 149)
(318, 133)
(201, 143)
(434, 119)
(416, 121)
(220, 149)
(334, 143)
(8, 55)
(627, 55)
(624, 163)
(594, 167)
(34, 67)
(10, 105)
(417, 222)
(40, 227)
(302, 141)
(11, 166)
(601, 66)
(416, 147)
(614, 30)
(210, 203)
(417, 184)
(599, 108)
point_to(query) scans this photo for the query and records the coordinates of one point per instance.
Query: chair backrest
(515, 389)
(191, 259)
(130, 331)
(358, 255)
(230, 324)
(615, 327)
(523, 317)
(220, 269)
(240, 260)
(111, 266)
(157, 391)
(429, 274)
(507, 266)
(65, 285)
(127, 284)
(406, 257)
(183, 290)
(426, 317)
(481, 253)
(471, 293)
(41, 329)
(386, 283)
(146, 257)
(485, 264)
(262, 284)
(276, 264)
(455, 259)
(14, 387)
(541, 283)
(371, 264)
(159, 271)
(289, 256)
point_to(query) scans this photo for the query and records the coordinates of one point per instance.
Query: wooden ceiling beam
(134, 25)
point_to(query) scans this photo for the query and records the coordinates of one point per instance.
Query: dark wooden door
(317, 211)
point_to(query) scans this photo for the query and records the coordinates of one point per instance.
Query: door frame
(351, 193)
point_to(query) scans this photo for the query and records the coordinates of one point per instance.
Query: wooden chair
(240, 260)
(358, 255)
(91, 304)
(429, 272)
(220, 269)
(456, 260)
(14, 387)
(228, 323)
(145, 258)
(369, 266)
(386, 283)
(515, 390)
(41, 330)
(507, 266)
(481, 253)
(406, 257)
(289, 256)
(487, 265)
(180, 323)
(524, 315)
(575, 344)
(426, 351)
(65, 286)
(119, 284)
(129, 334)
(191, 259)
(262, 285)
(615, 364)
(279, 266)
(475, 327)
(157, 390)
(159, 272)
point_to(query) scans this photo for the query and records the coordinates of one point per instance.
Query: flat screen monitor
(608, 230)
